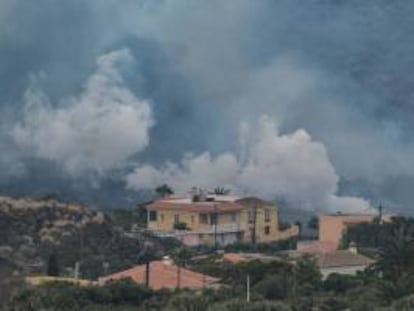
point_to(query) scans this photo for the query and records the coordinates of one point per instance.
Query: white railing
(224, 228)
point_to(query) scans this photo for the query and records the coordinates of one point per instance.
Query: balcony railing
(224, 228)
(209, 229)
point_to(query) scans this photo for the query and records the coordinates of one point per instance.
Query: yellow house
(215, 220)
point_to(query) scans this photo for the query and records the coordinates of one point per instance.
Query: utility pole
(148, 217)
(380, 210)
(215, 217)
(178, 276)
(147, 273)
(77, 264)
(248, 288)
(147, 259)
(253, 237)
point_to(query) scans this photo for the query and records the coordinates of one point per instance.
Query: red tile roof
(164, 275)
(234, 257)
(317, 247)
(341, 258)
(196, 206)
(226, 204)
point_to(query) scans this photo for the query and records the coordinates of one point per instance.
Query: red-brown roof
(317, 247)
(253, 200)
(196, 206)
(164, 275)
(233, 257)
(341, 258)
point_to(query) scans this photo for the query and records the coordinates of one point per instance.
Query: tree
(189, 303)
(313, 223)
(53, 265)
(308, 273)
(404, 304)
(340, 284)
(392, 290)
(395, 257)
(164, 191)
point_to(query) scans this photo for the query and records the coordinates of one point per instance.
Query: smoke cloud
(292, 167)
(97, 130)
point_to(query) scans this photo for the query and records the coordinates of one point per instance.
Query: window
(214, 219)
(192, 219)
(233, 217)
(251, 216)
(162, 217)
(153, 216)
(176, 218)
(267, 230)
(267, 215)
(203, 219)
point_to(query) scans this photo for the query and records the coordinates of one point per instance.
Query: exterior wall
(341, 270)
(222, 238)
(331, 227)
(190, 238)
(231, 226)
(261, 224)
(166, 219)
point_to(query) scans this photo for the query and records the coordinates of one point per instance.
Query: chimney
(353, 248)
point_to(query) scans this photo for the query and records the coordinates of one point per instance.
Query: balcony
(208, 229)
(224, 228)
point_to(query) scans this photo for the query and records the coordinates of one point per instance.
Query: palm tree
(395, 257)
(390, 291)
(164, 191)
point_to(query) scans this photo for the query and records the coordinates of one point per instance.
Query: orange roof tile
(196, 206)
(164, 275)
(341, 258)
(233, 257)
(317, 247)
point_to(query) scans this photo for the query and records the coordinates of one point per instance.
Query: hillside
(32, 230)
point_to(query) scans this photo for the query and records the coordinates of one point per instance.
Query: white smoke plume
(95, 131)
(292, 167)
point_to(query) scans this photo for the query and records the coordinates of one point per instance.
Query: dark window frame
(153, 216)
(267, 215)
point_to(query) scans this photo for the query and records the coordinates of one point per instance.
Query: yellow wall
(166, 218)
(165, 222)
(273, 225)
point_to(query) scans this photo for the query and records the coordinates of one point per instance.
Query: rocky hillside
(31, 231)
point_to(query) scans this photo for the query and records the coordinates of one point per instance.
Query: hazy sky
(306, 101)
